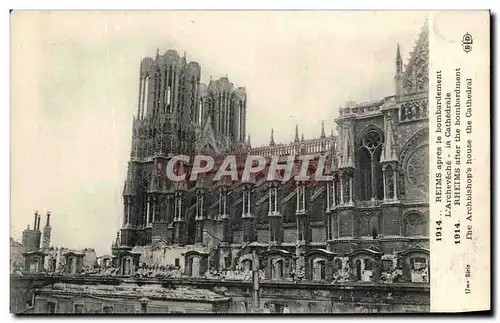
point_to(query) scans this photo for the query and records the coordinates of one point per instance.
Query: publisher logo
(467, 42)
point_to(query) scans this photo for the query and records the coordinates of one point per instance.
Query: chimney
(36, 217)
(38, 222)
(47, 224)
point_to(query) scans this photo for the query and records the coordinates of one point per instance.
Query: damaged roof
(152, 291)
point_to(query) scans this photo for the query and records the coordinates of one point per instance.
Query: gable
(206, 142)
(416, 73)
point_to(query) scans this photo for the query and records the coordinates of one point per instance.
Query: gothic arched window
(157, 92)
(200, 112)
(168, 97)
(192, 100)
(370, 170)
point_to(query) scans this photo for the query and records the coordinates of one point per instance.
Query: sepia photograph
(220, 162)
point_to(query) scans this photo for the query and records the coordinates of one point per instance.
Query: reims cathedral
(369, 223)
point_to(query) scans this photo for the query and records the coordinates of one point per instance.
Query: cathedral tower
(173, 110)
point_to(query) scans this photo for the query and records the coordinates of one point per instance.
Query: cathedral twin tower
(176, 114)
(175, 105)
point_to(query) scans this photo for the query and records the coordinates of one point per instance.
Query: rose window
(417, 168)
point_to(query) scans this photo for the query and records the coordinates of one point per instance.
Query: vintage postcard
(250, 162)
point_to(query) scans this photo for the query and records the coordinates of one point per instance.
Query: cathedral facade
(369, 223)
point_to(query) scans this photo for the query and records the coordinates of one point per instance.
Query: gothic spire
(399, 61)
(323, 129)
(249, 144)
(399, 73)
(296, 133)
(271, 143)
(389, 147)
(302, 138)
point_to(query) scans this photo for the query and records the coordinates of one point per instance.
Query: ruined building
(34, 246)
(356, 243)
(370, 220)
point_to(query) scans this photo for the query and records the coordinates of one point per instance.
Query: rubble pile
(16, 269)
(298, 275)
(237, 275)
(389, 277)
(156, 271)
(241, 275)
(341, 276)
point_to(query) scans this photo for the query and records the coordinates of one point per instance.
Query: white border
(189, 4)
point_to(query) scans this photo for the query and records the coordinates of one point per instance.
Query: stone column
(384, 175)
(395, 180)
(350, 190)
(374, 185)
(255, 280)
(148, 207)
(153, 216)
(334, 193)
(328, 197)
(341, 181)
(270, 201)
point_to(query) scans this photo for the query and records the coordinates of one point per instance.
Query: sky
(74, 92)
